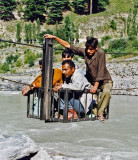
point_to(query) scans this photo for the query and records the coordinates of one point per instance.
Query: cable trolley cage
(44, 104)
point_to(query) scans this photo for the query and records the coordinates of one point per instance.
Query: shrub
(5, 67)
(113, 25)
(19, 63)
(105, 38)
(29, 58)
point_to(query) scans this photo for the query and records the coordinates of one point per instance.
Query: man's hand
(56, 88)
(48, 36)
(25, 90)
(93, 89)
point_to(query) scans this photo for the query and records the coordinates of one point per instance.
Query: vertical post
(28, 105)
(65, 110)
(47, 77)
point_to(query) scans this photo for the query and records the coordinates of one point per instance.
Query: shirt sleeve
(77, 50)
(101, 67)
(57, 78)
(37, 81)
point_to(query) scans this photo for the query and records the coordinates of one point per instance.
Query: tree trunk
(90, 7)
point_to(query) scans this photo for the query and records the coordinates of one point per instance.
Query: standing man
(96, 71)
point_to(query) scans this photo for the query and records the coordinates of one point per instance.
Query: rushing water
(116, 138)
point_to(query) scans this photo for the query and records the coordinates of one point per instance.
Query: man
(57, 78)
(75, 81)
(96, 71)
(68, 54)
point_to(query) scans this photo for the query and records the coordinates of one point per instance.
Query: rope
(15, 81)
(21, 43)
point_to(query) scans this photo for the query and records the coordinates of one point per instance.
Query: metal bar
(52, 109)
(73, 104)
(28, 105)
(38, 103)
(65, 110)
(59, 105)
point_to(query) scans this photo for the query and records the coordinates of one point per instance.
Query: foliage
(113, 25)
(26, 33)
(29, 58)
(80, 6)
(11, 59)
(55, 8)
(18, 33)
(38, 27)
(19, 63)
(67, 28)
(123, 46)
(105, 38)
(34, 36)
(83, 6)
(132, 26)
(5, 67)
(6, 8)
(34, 9)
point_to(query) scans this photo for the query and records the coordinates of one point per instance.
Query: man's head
(40, 64)
(68, 68)
(67, 54)
(91, 45)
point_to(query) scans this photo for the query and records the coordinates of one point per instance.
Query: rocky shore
(22, 147)
(124, 73)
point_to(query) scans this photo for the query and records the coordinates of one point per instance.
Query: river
(115, 139)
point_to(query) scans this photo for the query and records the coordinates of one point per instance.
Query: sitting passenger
(74, 80)
(57, 78)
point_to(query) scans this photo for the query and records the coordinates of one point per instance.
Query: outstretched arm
(61, 41)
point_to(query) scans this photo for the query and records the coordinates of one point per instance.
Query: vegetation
(34, 9)
(6, 9)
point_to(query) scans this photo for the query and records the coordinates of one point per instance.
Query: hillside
(100, 25)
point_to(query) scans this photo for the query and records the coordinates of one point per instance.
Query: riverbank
(124, 73)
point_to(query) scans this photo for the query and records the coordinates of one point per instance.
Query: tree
(67, 28)
(34, 9)
(34, 32)
(18, 34)
(55, 8)
(38, 27)
(89, 6)
(80, 6)
(6, 8)
(30, 32)
(26, 33)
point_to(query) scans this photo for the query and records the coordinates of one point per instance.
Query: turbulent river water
(116, 138)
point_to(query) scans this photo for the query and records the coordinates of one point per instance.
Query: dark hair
(40, 62)
(91, 41)
(68, 53)
(69, 62)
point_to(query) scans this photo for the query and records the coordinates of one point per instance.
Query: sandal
(101, 118)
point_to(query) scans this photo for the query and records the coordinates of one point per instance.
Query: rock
(17, 147)
(42, 155)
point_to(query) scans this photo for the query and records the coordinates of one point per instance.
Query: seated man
(57, 78)
(75, 81)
